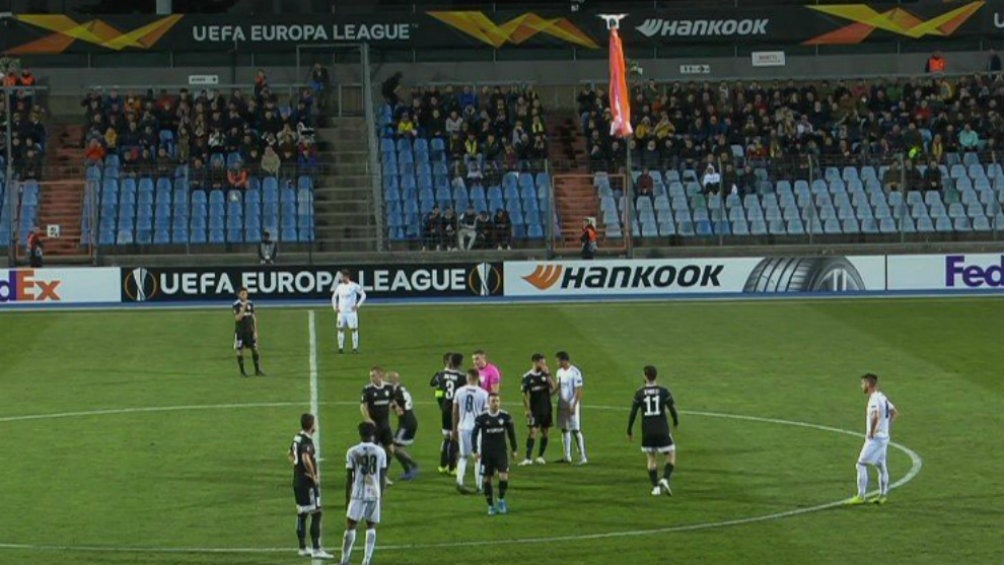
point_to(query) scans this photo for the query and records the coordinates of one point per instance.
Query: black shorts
(307, 496)
(448, 419)
(405, 435)
(657, 443)
(540, 420)
(492, 463)
(384, 435)
(244, 339)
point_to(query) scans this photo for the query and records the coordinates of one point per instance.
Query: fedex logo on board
(21, 285)
(973, 276)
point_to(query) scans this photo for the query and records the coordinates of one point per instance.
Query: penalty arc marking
(916, 465)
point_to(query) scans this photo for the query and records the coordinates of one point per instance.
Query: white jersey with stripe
(347, 296)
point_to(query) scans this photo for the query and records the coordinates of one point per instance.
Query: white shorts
(566, 419)
(348, 319)
(359, 510)
(665, 449)
(464, 439)
(873, 451)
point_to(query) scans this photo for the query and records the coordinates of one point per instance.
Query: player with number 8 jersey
(468, 403)
(654, 401)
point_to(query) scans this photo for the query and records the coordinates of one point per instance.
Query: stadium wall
(704, 278)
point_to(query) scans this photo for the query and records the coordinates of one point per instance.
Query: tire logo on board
(544, 276)
(804, 274)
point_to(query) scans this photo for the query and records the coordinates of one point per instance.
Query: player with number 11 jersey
(654, 401)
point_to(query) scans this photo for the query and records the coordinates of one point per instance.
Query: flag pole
(620, 127)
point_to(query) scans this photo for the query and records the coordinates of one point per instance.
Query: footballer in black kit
(447, 382)
(654, 401)
(246, 331)
(303, 455)
(538, 386)
(492, 427)
(407, 426)
(375, 406)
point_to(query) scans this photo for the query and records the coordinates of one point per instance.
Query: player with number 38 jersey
(654, 401)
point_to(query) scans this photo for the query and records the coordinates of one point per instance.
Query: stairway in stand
(574, 194)
(343, 195)
(62, 194)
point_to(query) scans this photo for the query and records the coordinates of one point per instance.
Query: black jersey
(538, 386)
(245, 325)
(493, 429)
(403, 400)
(377, 400)
(653, 401)
(302, 445)
(447, 381)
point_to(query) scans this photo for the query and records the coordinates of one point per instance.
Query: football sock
(301, 530)
(667, 471)
(529, 447)
(315, 530)
(479, 479)
(503, 486)
(454, 452)
(580, 442)
(444, 453)
(347, 541)
(406, 461)
(488, 495)
(341, 339)
(883, 479)
(543, 446)
(862, 479)
(653, 475)
(240, 362)
(461, 470)
(566, 444)
(370, 545)
(256, 358)
(355, 339)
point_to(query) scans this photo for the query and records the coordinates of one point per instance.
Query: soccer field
(128, 436)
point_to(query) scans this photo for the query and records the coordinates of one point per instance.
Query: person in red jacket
(588, 239)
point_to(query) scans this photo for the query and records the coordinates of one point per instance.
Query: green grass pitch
(97, 487)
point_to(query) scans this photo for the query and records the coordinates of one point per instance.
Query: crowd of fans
(786, 127)
(445, 230)
(485, 133)
(222, 137)
(28, 135)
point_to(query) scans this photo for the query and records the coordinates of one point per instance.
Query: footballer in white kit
(366, 465)
(878, 418)
(469, 402)
(346, 301)
(569, 404)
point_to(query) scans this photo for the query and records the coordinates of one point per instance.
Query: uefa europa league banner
(170, 284)
(809, 25)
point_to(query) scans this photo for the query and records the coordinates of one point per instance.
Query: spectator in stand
(29, 167)
(260, 83)
(33, 245)
(892, 180)
(217, 174)
(270, 162)
(95, 154)
(237, 176)
(502, 229)
(935, 63)
(484, 230)
(937, 148)
(448, 238)
(932, 176)
(911, 177)
(406, 127)
(432, 230)
(711, 180)
(164, 165)
(645, 186)
(389, 89)
(306, 160)
(993, 62)
(268, 250)
(588, 238)
(320, 83)
(468, 233)
(197, 179)
(969, 140)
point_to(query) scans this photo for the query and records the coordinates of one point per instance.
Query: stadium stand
(200, 168)
(798, 158)
(457, 147)
(28, 141)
